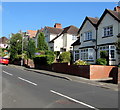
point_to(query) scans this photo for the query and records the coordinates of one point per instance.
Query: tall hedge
(65, 57)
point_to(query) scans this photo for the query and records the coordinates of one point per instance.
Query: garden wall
(86, 71)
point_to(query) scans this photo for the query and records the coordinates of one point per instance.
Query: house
(108, 30)
(3, 42)
(97, 35)
(63, 41)
(51, 32)
(31, 33)
(84, 47)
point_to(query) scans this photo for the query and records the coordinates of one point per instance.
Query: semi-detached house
(97, 35)
(51, 32)
(63, 41)
(84, 47)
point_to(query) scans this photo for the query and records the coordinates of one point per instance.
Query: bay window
(76, 55)
(87, 54)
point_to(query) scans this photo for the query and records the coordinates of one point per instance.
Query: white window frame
(76, 55)
(88, 35)
(108, 31)
(85, 54)
(109, 48)
(74, 37)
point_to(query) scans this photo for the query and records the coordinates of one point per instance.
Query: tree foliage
(65, 57)
(42, 45)
(31, 49)
(15, 46)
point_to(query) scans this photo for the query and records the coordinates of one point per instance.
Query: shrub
(103, 54)
(65, 57)
(101, 61)
(80, 62)
(46, 59)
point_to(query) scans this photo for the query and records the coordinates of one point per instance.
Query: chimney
(117, 9)
(58, 25)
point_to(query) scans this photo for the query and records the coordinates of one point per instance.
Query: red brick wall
(101, 72)
(82, 71)
(87, 71)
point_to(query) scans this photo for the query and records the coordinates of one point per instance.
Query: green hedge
(65, 57)
(46, 59)
(101, 61)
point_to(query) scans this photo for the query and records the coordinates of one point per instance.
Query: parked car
(4, 61)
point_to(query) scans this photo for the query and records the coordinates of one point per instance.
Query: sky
(34, 15)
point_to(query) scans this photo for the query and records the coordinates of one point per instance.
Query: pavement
(102, 83)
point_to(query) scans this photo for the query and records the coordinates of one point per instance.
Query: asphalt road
(26, 89)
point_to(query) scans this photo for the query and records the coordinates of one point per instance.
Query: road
(26, 89)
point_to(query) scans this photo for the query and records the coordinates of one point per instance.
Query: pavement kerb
(71, 78)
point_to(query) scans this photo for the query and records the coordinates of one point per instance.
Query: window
(88, 35)
(110, 49)
(87, 54)
(74, 38)
(108, 31)
(76, 55)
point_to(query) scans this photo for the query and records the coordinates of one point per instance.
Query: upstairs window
(108, 31)
(74, 38)
(88, 35)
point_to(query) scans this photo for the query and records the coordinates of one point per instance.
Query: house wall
(69, 42)
(87, 27)
(108, 20)
(58, 43)
(85, 44)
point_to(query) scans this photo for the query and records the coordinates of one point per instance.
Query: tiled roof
(53, 30)
(31, 33)
(3, 40)
(114, 14)
(77, 42)
(93, 21)
(69, 30)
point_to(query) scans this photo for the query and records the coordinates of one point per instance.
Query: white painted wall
(87, 27)
(108, 20)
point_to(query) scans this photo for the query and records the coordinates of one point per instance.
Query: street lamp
(22, 48)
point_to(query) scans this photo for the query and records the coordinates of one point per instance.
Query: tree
(65, 57)
(42, 45)
(15, 46)
(31, 49)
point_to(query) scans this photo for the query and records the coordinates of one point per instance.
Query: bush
(65, 57)
(101, 61)
(46, 59)
(80, 62)
(103, 54)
